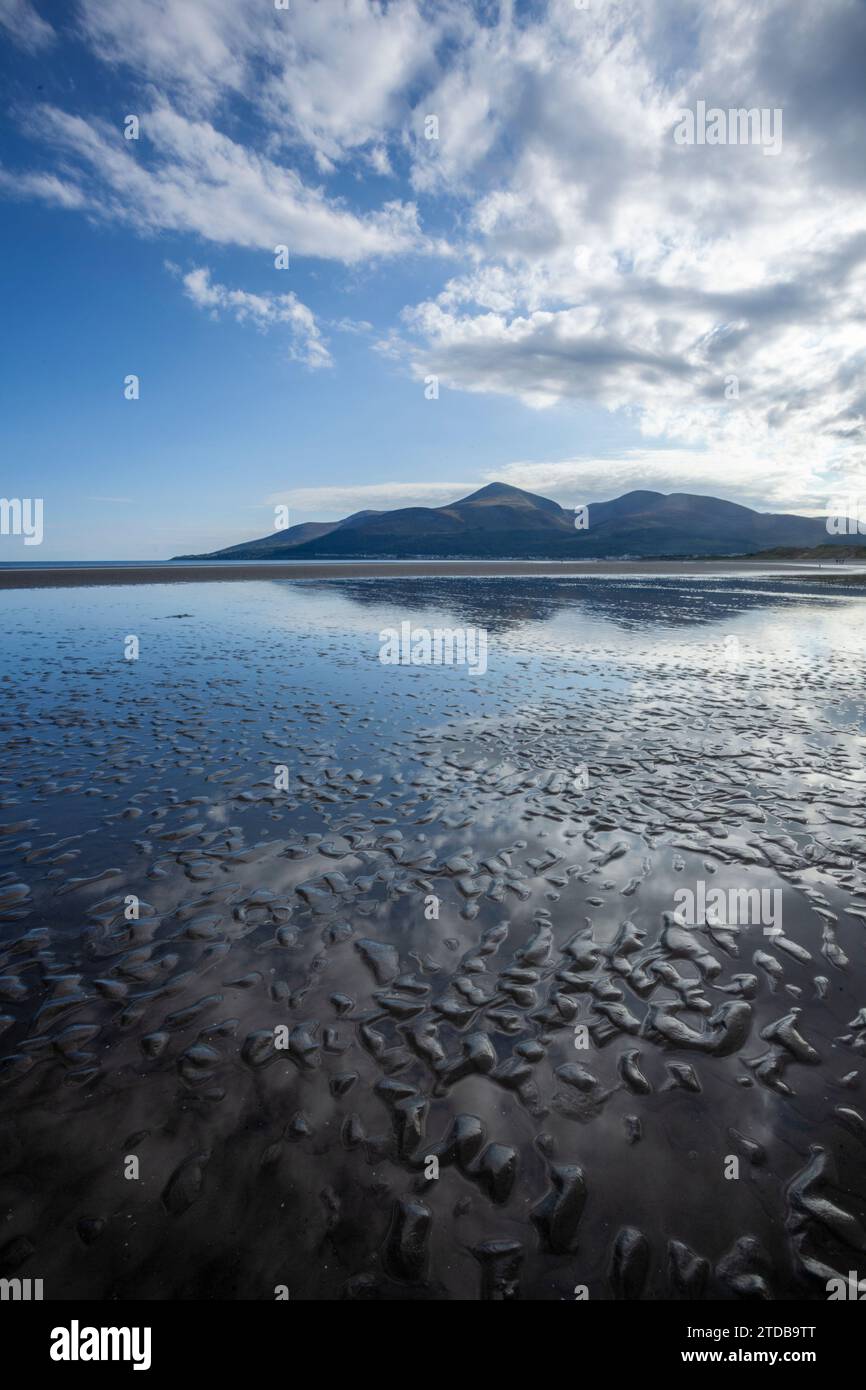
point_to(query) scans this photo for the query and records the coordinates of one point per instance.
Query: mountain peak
(503, 494)
(495, 491)
(641, 495)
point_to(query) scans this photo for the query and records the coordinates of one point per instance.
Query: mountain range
(503, 522)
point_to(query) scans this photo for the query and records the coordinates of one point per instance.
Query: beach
(333, 978)
(63, 576)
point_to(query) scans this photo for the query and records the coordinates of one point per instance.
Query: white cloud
(264, 311)
(328, 503)
(331, 76)
(202, 47)
(595, 478)
(608, 265)
(25, 26)
(354, 326)
(343, 73)
(184, 175)
(46, 187)
(771, 486)
(599, 261)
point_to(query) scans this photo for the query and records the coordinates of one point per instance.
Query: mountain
(279, 543)
(503, 522)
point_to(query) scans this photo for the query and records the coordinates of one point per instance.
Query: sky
(505, 260)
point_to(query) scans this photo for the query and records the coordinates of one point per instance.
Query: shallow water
(628, 740)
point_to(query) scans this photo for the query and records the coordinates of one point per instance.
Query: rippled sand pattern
(412, 1038)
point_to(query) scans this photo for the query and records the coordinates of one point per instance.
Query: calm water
(628, 740)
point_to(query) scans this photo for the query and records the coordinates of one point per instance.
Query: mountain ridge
(505, 522)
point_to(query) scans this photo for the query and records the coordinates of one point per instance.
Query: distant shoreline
(214, 571)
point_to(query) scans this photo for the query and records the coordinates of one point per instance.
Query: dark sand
(535, 1090)
(60, 577)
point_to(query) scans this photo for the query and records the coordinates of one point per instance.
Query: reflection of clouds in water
(263, 909)
(556, 614)
(585, 616)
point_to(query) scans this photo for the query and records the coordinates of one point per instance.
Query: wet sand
(423, 1025)
(60, 577)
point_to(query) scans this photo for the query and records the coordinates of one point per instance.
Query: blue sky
(581, 286)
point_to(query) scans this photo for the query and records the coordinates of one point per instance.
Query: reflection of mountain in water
(553, 811)
(503, 605)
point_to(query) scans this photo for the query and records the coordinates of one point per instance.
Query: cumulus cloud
(331, 75)
(264, 311)
(707, 296)
(201, 48)
(332, 78)
(344, 72)
(711, 295)
(189, 177)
